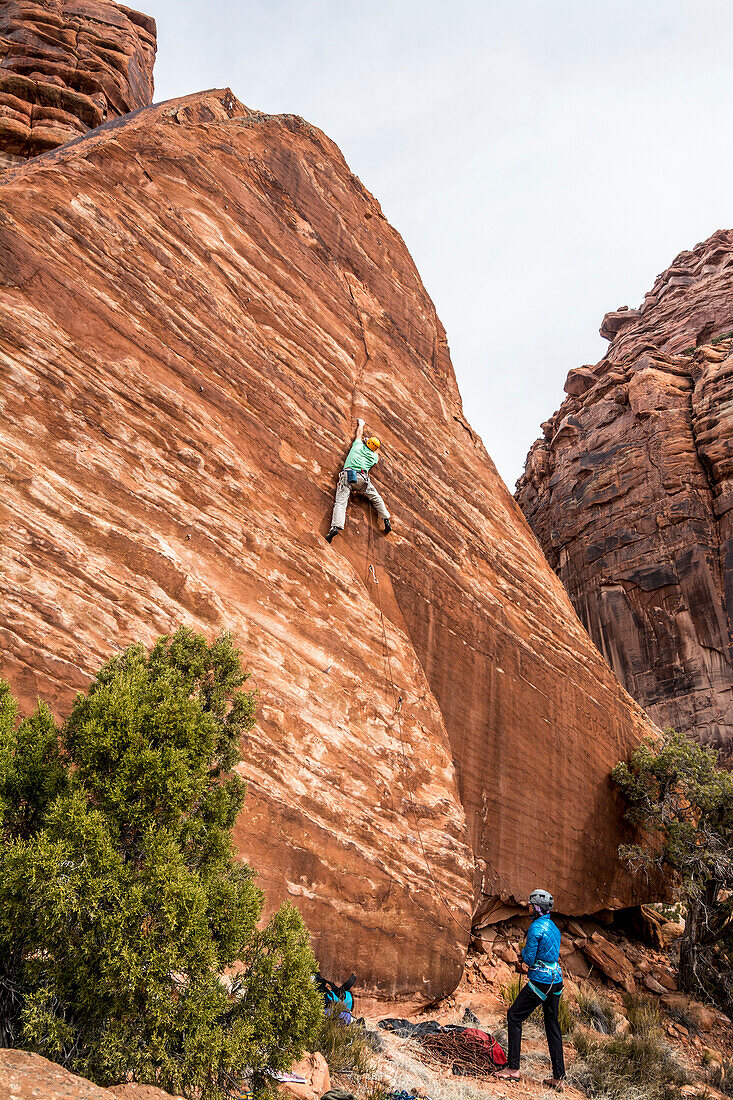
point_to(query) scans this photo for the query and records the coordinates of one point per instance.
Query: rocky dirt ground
(597, 959)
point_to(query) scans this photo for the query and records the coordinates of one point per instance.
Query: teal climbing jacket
(541, 952)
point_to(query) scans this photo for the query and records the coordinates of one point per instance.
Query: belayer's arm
(529, 951)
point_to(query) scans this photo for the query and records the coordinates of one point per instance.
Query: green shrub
(636, 1067)
(120, 899)
(346, 1048)
(682, 801)
(672, 911)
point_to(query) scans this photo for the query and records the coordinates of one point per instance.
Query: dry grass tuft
(595, 1010)
(639, 1066)
(721, 1078)
(346, 1048)
(644, 1015)
(509, 994)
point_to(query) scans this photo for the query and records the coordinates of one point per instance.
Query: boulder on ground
(665, 979)
(483, 943)
(575, 929)
(621, 1026)
(25, 1076)
(702, 1016)
(676, 1002)
(711, 1057)
(506, 952)
(498, 974)
(576, 965)
(314, 1068)
(671, 931)
(610, 960)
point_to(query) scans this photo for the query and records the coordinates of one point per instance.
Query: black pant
(523, 1007)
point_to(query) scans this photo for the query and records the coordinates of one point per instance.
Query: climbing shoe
(387, 526)
(332, 534)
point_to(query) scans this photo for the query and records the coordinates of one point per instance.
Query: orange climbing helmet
(373, 443)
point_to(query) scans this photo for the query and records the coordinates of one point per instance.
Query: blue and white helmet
(542, 899)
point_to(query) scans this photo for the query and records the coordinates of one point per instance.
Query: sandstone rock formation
(314, 1068)
(630, 494)
(610, 960)
(197, 301)
(67, 66)
(26, 1076)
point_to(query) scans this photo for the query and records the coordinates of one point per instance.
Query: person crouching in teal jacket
(541, 953)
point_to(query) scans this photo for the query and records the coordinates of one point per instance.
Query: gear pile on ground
(467, 1050)
(470, 1052)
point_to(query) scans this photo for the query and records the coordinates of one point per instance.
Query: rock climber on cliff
(355, 475)
(541, 953)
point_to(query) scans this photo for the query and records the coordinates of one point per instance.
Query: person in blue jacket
(541, 953)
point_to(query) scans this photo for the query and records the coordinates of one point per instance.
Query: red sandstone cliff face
(630, 495)
(67, 66)
(196, 303)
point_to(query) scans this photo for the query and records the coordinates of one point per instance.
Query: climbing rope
(397, 720)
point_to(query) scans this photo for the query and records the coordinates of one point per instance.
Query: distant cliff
(630, 493)
(67, 66)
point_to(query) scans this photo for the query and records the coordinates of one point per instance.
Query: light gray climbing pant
(364, 486)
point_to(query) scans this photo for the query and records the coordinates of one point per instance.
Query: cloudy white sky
(543, 159)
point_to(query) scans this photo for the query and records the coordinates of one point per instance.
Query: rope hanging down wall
(371, 577)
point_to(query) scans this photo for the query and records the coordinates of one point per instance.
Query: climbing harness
(538, 992)
(352, 477)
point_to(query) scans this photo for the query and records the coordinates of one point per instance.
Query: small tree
(121, 903)
(683, 802)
